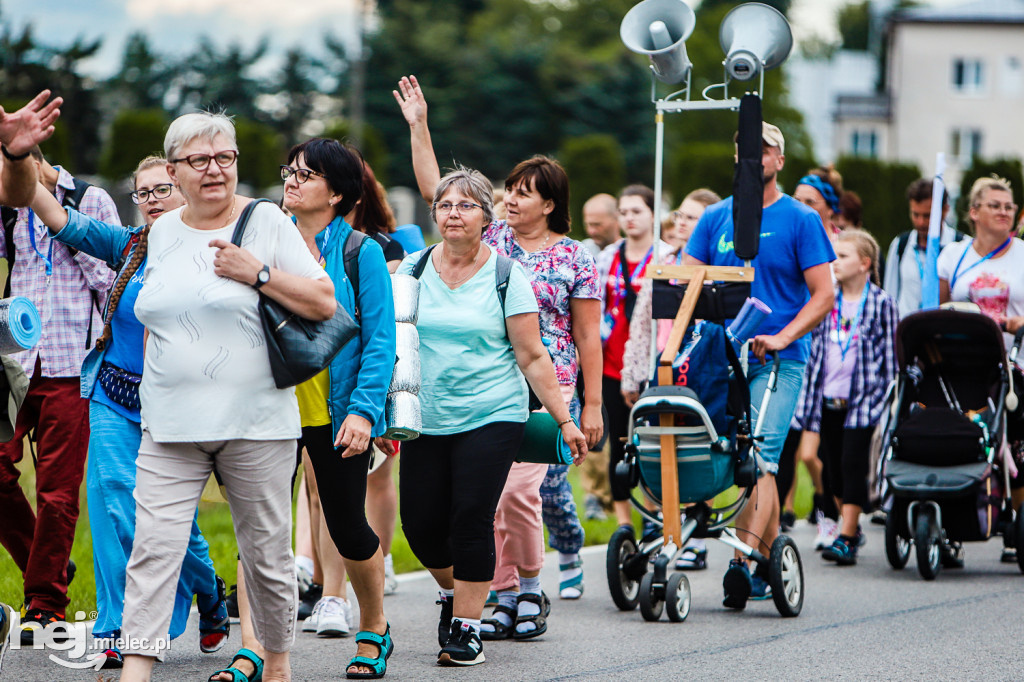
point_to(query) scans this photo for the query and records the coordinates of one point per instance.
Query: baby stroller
(944, 459)
(674, 440)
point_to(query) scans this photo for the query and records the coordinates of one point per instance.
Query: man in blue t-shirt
(792, 277)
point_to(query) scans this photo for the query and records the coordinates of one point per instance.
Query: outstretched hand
(411, 100)
(30, 125)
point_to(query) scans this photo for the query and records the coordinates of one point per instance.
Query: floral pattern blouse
(560, 272)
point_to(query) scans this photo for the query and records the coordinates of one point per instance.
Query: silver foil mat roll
(406, 290)
(406, 375)
(403, 415)
(407, 337)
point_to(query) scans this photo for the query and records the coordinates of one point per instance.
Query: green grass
(215, 521)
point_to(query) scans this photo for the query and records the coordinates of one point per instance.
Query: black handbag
(299, 349)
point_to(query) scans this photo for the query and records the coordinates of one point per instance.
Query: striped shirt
(874, 365)
(72, 297)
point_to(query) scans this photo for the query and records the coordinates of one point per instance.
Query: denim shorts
(780, 408)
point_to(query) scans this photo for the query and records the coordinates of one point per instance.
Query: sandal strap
(571, 565)
(372, 637)
(541, 600)
(377, 664)
(501, 608)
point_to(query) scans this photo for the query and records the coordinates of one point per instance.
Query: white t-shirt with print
(995, 285)
(207, 373)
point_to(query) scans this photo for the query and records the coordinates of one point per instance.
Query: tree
(883, 186)
(144, 79)
(596, 163)
(854, 23)
(373, 149)
(260, 152)
(781, 5)
(294, 88)
(134, 135)
(211, 79)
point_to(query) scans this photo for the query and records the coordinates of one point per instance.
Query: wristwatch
(262, 277)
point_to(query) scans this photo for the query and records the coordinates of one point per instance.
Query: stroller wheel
(897, 548)
(927, 541)
(786, 576)
(621, 564)
(651, 603)
(677, 597)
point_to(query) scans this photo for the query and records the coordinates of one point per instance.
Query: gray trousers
(169, 482)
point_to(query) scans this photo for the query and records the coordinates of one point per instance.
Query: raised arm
(19, 133)
(424, 163)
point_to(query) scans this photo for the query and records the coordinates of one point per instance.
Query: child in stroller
(696, 437)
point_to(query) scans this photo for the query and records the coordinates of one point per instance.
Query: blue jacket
(361, 373)
(106, 242)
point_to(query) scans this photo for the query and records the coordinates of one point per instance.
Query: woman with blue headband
(820, 189)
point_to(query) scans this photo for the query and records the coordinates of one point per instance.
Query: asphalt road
(861, 622)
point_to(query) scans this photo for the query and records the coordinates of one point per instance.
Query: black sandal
(540, 620)
(501, 631)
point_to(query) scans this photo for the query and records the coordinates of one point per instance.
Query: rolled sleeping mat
(20, 326)
(406, 290)
(403, 415)
(405, 376)
(407, 338)
(542, 441)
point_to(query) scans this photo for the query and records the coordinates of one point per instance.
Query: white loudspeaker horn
(659, 29)
(754, 36)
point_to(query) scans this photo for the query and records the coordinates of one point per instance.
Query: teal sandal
(378, 665)
(236, 674)
(575, 584)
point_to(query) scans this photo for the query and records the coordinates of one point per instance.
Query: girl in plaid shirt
(851, 364)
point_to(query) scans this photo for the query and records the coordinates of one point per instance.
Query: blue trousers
(110, 485)
(558, 507)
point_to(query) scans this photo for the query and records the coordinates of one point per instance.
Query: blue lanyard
(636, 272)
(48, 258)
(327, 235)
(919, 257)
(855, 324)
(956, 270)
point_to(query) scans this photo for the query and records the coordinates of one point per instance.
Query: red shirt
(615, 344)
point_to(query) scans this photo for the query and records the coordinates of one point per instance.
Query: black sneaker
(308, 601)
(737, 585)
(36, 620)
(1009, 555)
(444, 623)
(463, 648)
(787, 520)
(952, 555)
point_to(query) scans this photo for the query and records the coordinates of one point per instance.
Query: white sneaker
(309, 625)
(390, 581)
(828, 531)
(334, 617)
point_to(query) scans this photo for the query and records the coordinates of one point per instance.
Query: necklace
(539, 248)
(231, 216)
(471, 273)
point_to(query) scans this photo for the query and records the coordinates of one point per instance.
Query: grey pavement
(861, 622)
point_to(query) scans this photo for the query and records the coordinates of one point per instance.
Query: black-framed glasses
(301, 174)
(161, 191)
(446, 207)
(201, 162)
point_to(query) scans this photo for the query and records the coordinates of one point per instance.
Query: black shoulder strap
(243, 220)
(421, 264)
(630, 301)
(502, 271)
(958, 236)
(353, 243)
(10, 219)
(73, 197)
(901, 246)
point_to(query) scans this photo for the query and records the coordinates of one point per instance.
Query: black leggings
(618, 427)
(450, 486)
(846, 458)
(341, 482)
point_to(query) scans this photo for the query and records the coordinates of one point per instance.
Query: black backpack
(72, 199)
(901, 248)
(502, 271)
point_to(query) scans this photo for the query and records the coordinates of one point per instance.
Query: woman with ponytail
(110, 380)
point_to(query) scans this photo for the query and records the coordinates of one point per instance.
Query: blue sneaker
(759, 588)
(737, 585)
(843, 551)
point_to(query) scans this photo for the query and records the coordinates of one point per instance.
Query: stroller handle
(773, 377)
(1017, 339)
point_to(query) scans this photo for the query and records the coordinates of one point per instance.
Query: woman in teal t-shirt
(474, 402)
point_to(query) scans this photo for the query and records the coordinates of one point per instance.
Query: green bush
(134, 135)
(882, 186)
(373, 147)
(594, 163)
(1009, 168)
(260, 152)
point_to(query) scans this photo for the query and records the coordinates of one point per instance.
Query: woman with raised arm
(110, 379)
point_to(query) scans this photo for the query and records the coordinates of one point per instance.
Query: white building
(954, 83)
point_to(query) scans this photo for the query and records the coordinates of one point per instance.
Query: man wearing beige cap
(793, 279)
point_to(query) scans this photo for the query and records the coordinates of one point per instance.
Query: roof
(977, 12)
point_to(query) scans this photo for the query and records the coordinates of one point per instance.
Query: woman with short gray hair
(209, 401)
(476, 347)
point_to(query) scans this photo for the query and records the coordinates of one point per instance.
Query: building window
(968, 75)
(864, 143)
(965, 144)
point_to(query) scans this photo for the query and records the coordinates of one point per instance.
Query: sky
(175, 25)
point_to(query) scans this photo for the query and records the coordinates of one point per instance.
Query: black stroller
(673, 442)
(947, 442)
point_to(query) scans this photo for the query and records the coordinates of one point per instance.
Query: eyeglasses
(301, 174)
(446, 207)
(161, 191)
(201, 162)
(995, 207)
